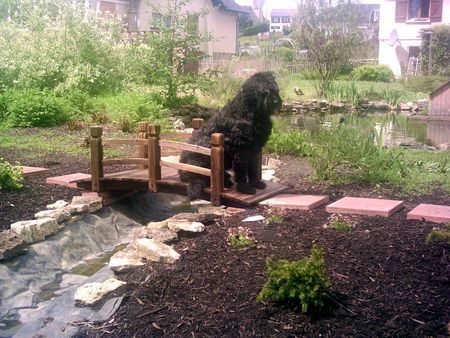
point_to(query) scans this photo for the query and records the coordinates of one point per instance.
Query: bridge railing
(149, 145)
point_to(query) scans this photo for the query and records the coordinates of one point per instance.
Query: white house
(401, 25)
(280, 18)
(221, 20)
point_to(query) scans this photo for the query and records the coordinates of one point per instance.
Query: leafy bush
(301, 282)
(286, 141)
(284, 53)
(424, 84)
(254, 30)
(440, 50)
(126, 124)
(35, 108)
(100, 117)
(378, 73)
(10, 176)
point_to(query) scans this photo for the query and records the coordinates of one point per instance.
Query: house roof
(230, 5)
(283, 12)
(440, 90)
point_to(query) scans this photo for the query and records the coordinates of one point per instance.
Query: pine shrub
(301, 282)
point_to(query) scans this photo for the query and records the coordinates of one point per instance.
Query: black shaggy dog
(246, 125)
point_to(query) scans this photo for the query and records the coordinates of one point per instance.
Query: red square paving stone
(67, 180)
(430, 212)
(365, 206)
(295, 201)
(27, 171)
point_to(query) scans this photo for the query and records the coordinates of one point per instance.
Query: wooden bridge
(155, 173)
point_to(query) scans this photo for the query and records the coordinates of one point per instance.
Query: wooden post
(197, 124)
(217, 168)
(143, 149)
(154, 157)
(96, 157)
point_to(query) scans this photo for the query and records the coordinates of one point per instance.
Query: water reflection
(394, 129)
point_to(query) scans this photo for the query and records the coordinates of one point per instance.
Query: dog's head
(261, 91)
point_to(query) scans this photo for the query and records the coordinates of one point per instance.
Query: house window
(276, 19)
(285, 19)
(419, 9)
(158, 19)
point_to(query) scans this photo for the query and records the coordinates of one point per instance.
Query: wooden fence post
(143, 149)
(96, 157)
(197, 124)
(217, 168)
(154, 157)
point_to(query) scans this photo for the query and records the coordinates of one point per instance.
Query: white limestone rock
(158, 235)
(92, 200)
(35, 230)
(185, 226)
(77, 208)
(90, 293)
(59, 215)
(156, 252)
(57, 205)
(125, 260)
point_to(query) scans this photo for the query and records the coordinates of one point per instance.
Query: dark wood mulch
(386, 282)
(36, 194)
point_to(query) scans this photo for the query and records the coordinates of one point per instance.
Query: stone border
(48, 222)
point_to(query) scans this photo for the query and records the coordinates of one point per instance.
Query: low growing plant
(10, 176)
(287, 141)
(301, 282)
(439, 235)
(274, 219)
(341, 225)
(240, 237)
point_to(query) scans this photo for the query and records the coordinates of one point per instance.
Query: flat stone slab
(295, 201)
(430, 212)
(67, 180)
(365, 206)
(28, 171)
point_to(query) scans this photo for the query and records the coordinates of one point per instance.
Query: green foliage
(439, 235)
(284, 53)
(301, 282)
(100, 117)
(58, 45)
(33, 108)
(377, 73)
(287, 141)
(343, 92)
(440, 50)
(223, 89)
(240, 237)
(341, 225)
(328, 31)
(392, 97)
(10, 176)
(126, 124)
(424, 84)
(274, 219)
(254, 30)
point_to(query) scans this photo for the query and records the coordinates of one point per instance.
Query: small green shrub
(240, 237)
(126, 124)
(35, 108)
(287, 141)
(341, 226)
(439, 235)
(10, 176)
(377, 73)
(100, 117)
(301, 282)
(79, 103)
(274, 219)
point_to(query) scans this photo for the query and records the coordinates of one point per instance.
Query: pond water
(394, 129)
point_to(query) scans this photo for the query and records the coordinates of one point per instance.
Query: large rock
(59, 215)
(11, 245)
(158, 235)
(156, 252)
(185, 226)
(77, 208)
(205, 215)
(57, 205)
(35, 230)
(125, 260)
(94, 201)
(91, 293)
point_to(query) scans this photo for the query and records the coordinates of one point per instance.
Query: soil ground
(385, 280)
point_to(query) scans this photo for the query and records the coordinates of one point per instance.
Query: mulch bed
(386, 282)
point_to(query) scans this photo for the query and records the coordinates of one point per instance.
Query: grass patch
(341, 225)
(274, 219)
(439, 235)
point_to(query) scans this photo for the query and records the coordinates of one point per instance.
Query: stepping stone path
(294, 201)
(67, 180)
(28, 171)
(365, 206)
(431, 213)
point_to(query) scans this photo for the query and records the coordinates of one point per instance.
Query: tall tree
(329, 32)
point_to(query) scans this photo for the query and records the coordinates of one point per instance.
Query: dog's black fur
(246, 125)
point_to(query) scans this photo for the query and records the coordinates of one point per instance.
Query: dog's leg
(227, 181)
(240, 166)
(253, 171)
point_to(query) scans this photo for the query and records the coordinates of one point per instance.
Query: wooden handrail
(134, 142)
(186, 146)
(186, 136)
(125, 160)
(186, 167)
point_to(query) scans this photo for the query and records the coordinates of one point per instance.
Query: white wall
(408, 35)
